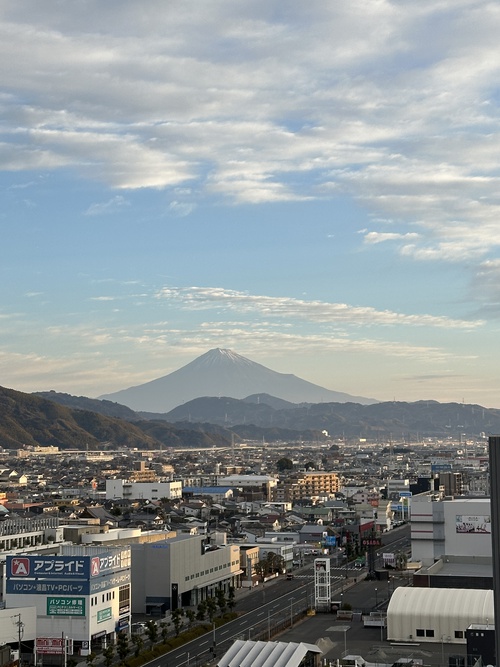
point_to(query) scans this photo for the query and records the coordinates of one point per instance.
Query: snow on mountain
(221, 372)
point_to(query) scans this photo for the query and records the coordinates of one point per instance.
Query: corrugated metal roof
(266, 654)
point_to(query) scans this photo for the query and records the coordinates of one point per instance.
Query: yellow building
(307, 485)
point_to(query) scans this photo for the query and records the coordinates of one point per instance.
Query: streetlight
(376, 598)
(346, 628)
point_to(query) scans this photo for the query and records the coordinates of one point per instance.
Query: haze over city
(314, 186)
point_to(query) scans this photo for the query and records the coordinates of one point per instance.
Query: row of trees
(273, 563)
(155, 631)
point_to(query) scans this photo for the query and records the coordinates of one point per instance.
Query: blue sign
(67, 586)
(330, 541)
(67, 567)
(405, 494)
(441, 467)
(48, 567)
(52, 587)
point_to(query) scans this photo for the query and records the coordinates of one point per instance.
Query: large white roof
(446, 610)
(266, 654)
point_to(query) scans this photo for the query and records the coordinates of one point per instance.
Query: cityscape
(249, 313)
(350, 551)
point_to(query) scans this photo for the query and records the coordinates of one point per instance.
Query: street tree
(177, 615)
(138, 643)
(211, 608)
(108, 654)
(152, 631)
(122, 646)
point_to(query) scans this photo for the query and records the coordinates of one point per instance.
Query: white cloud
(203, 298)
(181, 209)
(261, 102)
(113, 205)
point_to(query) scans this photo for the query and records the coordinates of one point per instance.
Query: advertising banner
(65, 587)
(104, 615)
(65, 606)
(48, 567)
(479, 524)
(53, 645)
(67, 567)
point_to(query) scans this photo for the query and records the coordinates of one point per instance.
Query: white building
(182, 570)
(437, 614)
(82, 593)
(123, 489)
(454, 527)
(265, 484)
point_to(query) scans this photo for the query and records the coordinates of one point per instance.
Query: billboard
(479, 524)
(48, 567)
(104, 615)
(66, 587)
(65, 606)
(53, 645)
(67, 567)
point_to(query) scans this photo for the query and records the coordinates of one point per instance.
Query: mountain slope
(29, 420)
(106, 408)
(26, 419)
(224, 373)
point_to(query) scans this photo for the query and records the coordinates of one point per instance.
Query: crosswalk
(332, 576)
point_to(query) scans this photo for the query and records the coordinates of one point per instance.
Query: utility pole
(20, 629)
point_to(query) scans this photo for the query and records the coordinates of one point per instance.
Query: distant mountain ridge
(222, 372)
(210, 421)
(398, 420)
(26, 419)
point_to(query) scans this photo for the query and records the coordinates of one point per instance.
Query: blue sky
(312, 185)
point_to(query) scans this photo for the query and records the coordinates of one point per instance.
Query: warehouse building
(437, 614)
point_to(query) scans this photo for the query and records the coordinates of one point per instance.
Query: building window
(429, 633)
(459, 634)
(420, 632)
(124, 598)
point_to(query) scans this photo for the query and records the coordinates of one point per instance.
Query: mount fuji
(221, 372)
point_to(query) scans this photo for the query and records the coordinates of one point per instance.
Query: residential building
(122, 488)
(300, 486)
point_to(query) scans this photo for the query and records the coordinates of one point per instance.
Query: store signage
(65, 606)
(104, 615)
(371, 542)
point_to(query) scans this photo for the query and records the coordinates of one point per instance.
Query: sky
(314, 186)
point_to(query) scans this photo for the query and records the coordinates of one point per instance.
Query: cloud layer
(262, 102)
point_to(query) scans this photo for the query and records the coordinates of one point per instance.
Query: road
(270, 609)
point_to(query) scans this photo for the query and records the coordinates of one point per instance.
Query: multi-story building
(28, 533)
(307, 485)
(253, 487)
(181, 570)
(141, 473)
(128, 490)
(81, 594)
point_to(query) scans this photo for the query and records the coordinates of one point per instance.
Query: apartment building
(307, 485)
